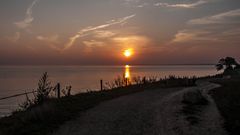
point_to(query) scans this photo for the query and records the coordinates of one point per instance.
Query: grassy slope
(227, 99)
(46, 118)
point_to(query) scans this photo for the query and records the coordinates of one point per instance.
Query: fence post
(101, 84)
(58, 90)
(144, 80)
(126, 81)
(69, 91)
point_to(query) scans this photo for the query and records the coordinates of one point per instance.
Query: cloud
(134, 41)
(86, 31)
(223, 31)
(193, 35)
(103, 34)
(136, 3)
(129, 2)
(51, 39)
(207, 36)
(219, 18)
(143, 5)
(232, 32)
(92, 43)
(28, 17)
(15, 37)
(182, 5)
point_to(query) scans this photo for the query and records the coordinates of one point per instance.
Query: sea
(20, 79)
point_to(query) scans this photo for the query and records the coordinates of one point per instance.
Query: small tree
(237, 66)
(227, 64)
(44, 89)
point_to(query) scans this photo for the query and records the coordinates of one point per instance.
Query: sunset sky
(96, 32)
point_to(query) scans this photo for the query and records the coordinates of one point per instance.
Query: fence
(57, 89)
(16, 95)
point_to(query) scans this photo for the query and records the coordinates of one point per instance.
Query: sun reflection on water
(127, 74)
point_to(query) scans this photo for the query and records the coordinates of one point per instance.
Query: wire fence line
(57, 89)
(16, 95)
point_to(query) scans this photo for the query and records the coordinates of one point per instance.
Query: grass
(43, 119)
(192, 111)
(227, 99)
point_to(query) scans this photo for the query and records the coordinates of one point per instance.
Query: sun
(128, 53)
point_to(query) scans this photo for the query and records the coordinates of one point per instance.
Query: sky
(96, 32)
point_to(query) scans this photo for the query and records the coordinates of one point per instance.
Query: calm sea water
(18, 79)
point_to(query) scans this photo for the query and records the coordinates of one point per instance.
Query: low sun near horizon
(128, 52)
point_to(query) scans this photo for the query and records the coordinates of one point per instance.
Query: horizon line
(104, 64)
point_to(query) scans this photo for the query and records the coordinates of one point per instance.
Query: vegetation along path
(149, 112)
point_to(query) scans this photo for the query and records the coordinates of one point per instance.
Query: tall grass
(170, 81)
(45, 91)
(228, 102)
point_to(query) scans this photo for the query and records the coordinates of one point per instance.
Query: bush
(44, 89)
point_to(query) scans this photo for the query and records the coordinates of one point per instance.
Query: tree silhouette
(237, 66)
(44, 89)
(227, 64)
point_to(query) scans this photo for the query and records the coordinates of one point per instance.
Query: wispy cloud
(219, 18)
(51, 39)
(104, 34)
(232, 32)
(28, 17)
(142, 5)
(200, 29)
(92, 43)
(133, 41)
(193, 35)
(182, 5)
(207, 36)
(129, 2)
(15, 37)
(88, 30)
(136, 3)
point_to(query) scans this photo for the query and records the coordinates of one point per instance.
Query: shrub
(44, 89)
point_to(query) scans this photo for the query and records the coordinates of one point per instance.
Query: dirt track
(152, 112)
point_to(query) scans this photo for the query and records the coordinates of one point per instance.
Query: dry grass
(228, 102)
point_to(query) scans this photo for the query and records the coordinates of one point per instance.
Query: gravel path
(152, 112)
